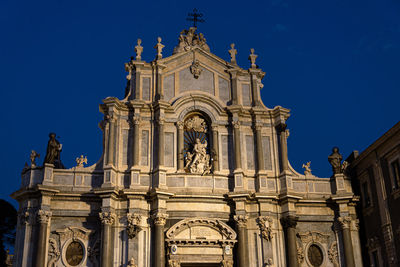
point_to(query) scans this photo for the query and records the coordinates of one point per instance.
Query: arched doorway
(200, 242)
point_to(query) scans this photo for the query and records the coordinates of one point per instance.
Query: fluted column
(43, 218)
(215, 148)
(161, 142)
(180, 125)
(345, 223)
(289, 224)
(260, 155)
(238, 154)
(281, 128)
(107, 220)
(136, 135)
(241, 221)
(111, 140)
(159, 244)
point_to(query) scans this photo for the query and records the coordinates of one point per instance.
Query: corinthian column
(159, 250)
(289, 225)
(241, 221)
(344, 223)
(179, 124)
(107, 220)
(43, 218)
(236, 135)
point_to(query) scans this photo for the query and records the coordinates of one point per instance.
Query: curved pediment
(201, 228)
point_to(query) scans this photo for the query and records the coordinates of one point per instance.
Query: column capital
(289, 221)
(107, 218)
(160, 218)
(160, 121)
(180, 125)
(281, 127)
(136, 119)
(241, 220)
(236, 124)
(43, 216)
(214, 127)
(344, 222)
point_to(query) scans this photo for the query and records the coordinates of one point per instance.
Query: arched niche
(200, 240)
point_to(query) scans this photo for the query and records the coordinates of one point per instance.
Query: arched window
(197, 144)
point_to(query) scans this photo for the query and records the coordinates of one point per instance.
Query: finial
(233, 53)
(81, 160)
(139, 50)
(307, 168)
(252, 58)
(33, 157)
(159, 46)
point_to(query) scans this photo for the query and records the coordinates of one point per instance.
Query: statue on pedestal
(53, 152)
(335, 159)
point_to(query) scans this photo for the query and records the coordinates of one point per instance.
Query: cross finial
(195, 17)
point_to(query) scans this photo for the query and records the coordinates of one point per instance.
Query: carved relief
(333, 254)
(133, 227)
(344, 222)
(160, 218)
(227, 263)
(265, 224)
(189, 39)
(174, 263)
(313, 236)
(107, 218)
(197, 124)
(43, 216)
(300, 254)
(131, 263)
(195, 69)
(241, 220)
(54, 253)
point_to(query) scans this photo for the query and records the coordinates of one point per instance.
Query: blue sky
(335, 64)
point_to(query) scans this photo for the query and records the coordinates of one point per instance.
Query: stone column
(260, 155)
(161, 142)
(181, 165)
(136, 135)
(107, 220)
(289, 224)
(344, 223)
(215, 148)
(159, 243)
(241, 221)
(111, 140)
(238, 154)
(281, 129)
(234, 84)
(43, 218)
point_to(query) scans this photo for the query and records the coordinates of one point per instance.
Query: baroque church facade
(194, 172)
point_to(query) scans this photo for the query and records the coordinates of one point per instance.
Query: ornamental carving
(131, 263)
(198, 161)
(195, 69)
(107, 218)
(289, 222)
(333, 254)
(174, 263)
(43, 216)
(54, 253)
(241, 220)
(314, 236)
(196, 123)
(227, 263)
(133, 227)
(300, 254)
(344, 222)
(265, 224)
(189, 39)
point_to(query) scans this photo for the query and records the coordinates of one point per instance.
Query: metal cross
(196, 17)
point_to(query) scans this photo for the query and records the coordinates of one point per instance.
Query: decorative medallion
(74, 253)
(196, 123)
(195, 69)
(315, 255)
(227, 250)
(174, 249)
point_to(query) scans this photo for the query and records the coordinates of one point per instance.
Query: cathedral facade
(194, 172)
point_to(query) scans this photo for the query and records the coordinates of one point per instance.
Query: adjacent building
(194, 172)
(376, 178)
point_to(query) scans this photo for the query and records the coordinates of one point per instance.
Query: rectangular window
(396, 174)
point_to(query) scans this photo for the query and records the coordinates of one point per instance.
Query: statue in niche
(53, 152)
(335, 159)
(198, 161)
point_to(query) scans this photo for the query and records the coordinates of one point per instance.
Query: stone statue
(198, 161)
(232, 53)
(139, 50)
(307, 168)
(189, 39)
(159, 47)
(33, 157)
(132, 263)
(53, 152)
(335, 159)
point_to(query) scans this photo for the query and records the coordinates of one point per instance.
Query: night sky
(334, 64)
